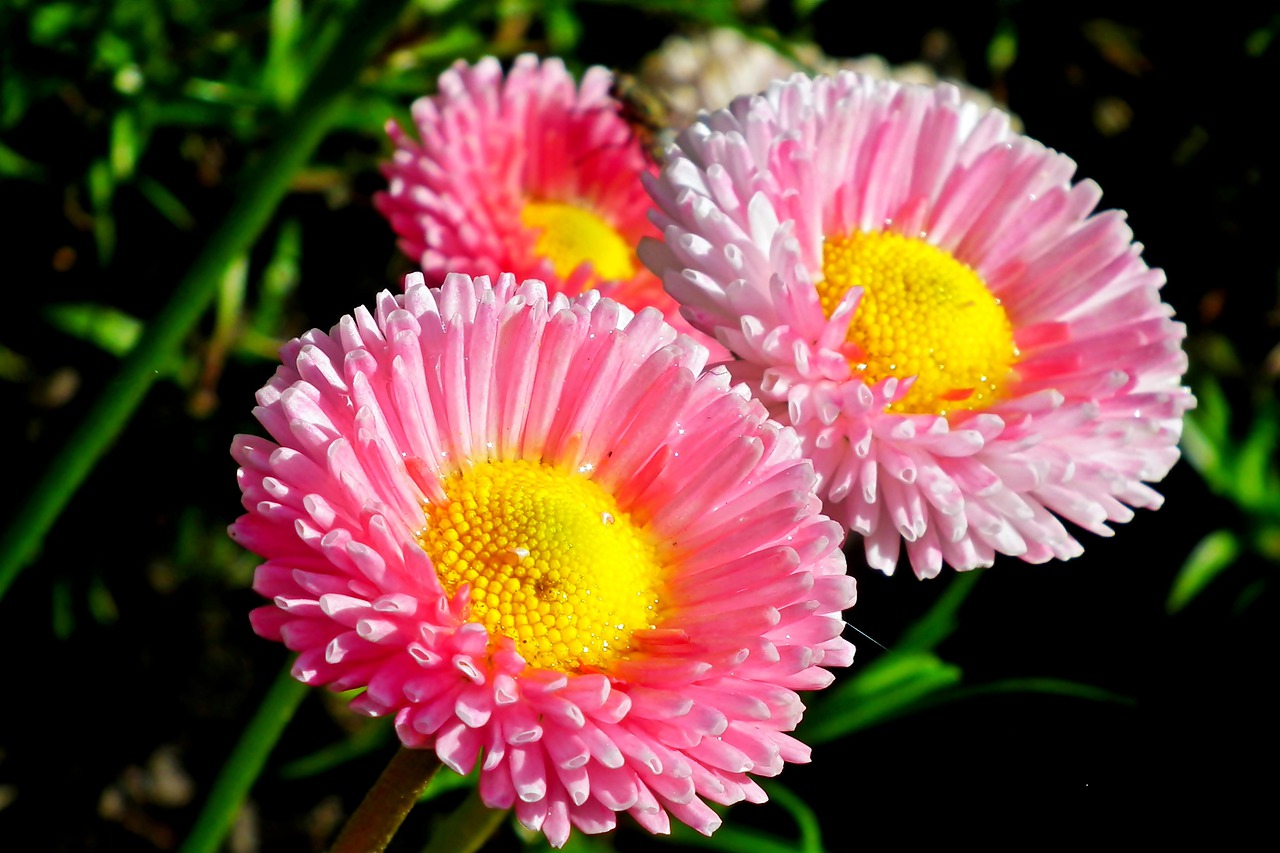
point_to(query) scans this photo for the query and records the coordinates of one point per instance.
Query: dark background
(130, 632)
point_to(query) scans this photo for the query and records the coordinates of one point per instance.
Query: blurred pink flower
(534, 529)
(965, 349)
(529, 174)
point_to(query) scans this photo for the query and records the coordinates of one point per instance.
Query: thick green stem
(388, 802)
(260, 191)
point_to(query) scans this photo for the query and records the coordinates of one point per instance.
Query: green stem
(467, 829)
(260, 191)
(388, 802)
(245, 764)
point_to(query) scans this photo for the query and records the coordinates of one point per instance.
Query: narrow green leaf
(125, 145)
(942, 619)
(51, 21)
(102, 604)
(1002, 50)
(279, 279)
(467, 828)
(168, 204)
(447, 780)
(804, 8)
(807, 823)
(563, 27)
(245, 764)
(261, 190)
(1206, 561)
(1049, 686)
(369, 738)
(217, 92)
(1203, 455)
(284, 75)
(888, 688)
(1259, 41)
(436, 7)
(1255, 462)
(101, 189)
(107, 328)
(14, 165)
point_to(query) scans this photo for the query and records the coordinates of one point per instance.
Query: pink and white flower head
(967, 351)
(534, 529)
(529, 174)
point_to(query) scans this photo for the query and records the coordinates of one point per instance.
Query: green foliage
(105, 327)
(1245, 472)
(170, 113)
(1211, 556)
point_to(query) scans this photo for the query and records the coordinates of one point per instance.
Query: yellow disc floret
(551, 560)
(569, 236)
(923, 314)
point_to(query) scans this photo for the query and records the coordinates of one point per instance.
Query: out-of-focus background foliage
(1037, 701)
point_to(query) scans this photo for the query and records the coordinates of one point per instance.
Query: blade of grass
(1048, 686)
(940, 622)
(245, 764)
(261, 190)
(810, 840)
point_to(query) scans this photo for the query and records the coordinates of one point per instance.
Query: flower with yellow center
(551, 560)
(570, 236)
(533, 529)
(923, 316)
(967, 352)
(530, 173)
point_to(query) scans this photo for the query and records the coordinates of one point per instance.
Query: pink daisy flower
(967, 351)
(534, 529)
(529, 174)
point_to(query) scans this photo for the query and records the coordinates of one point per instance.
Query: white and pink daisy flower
(967, 351)
(533, 529)
(529, 174)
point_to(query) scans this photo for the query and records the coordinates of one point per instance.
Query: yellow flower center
(551, 560)
(569, 236)
(923, 314)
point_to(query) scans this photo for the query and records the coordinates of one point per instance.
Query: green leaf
(101, 189)
(260, 190)
(51, 21)
(279, 279)
(1205, 562)
(942, 619)
(168, 204)
(1206, 433)
(284, 74)
(466, 828)
(806, 821)
(1259, 41)
(102, 604)
(14, 165)
(245, 764)
(1002, 50)
(126, 144)
(804, 8)
(1049, 686)
(107, 328)
(563, 27)
(447, 780)
(1255, 473)
(369, 738)
(888, 687)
